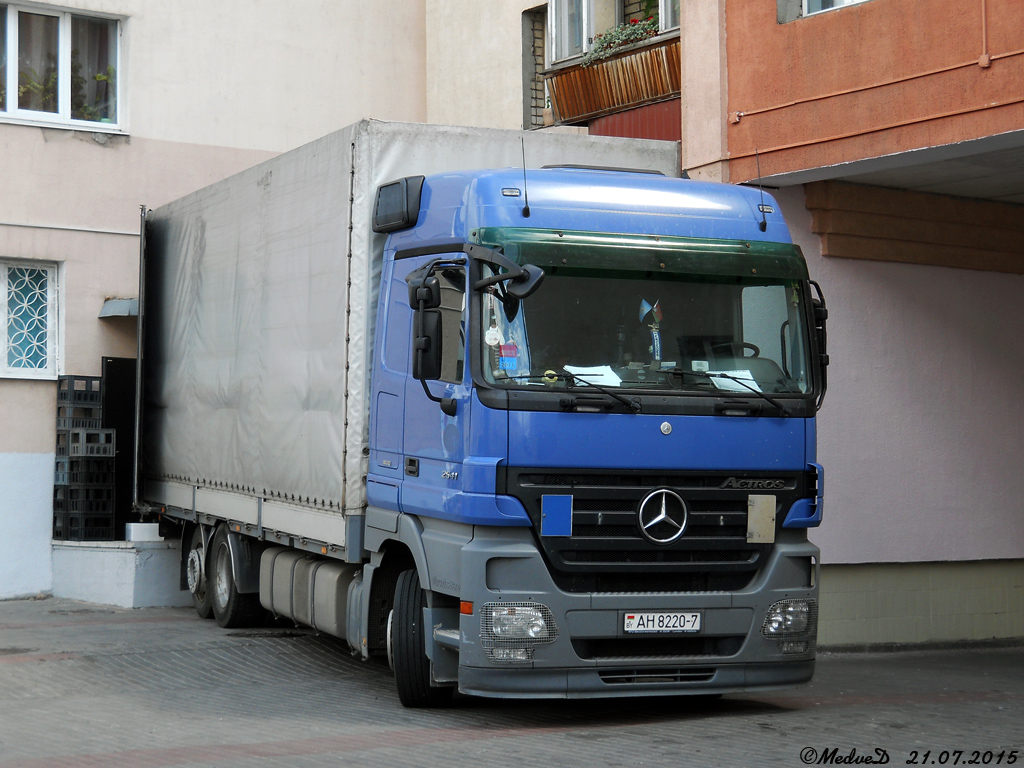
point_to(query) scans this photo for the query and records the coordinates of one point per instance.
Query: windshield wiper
(633, 405)
(571, 379)
(743, 382)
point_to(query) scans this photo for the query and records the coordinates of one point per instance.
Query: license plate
(662, 621)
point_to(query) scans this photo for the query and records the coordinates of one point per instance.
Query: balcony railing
(641, 74)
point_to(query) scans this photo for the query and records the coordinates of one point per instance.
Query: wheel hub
(194, 571)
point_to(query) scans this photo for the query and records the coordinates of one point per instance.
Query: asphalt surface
(87, 685)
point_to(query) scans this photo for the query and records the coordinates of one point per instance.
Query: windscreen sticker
(737, 381)
(509, 350)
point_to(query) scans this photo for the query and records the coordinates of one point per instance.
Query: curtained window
(58, 66)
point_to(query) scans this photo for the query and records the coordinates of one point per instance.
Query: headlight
(790, 618)
(517, 621)
(510, 631)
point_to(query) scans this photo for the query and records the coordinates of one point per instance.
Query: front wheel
(407, 646)
(230, 607)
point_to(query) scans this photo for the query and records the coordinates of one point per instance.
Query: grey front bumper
(592, 656)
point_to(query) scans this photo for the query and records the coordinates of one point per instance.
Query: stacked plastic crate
(83, 490)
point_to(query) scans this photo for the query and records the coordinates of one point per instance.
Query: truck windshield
(650, 330)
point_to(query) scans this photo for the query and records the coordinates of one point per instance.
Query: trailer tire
(197, 568)
(408, 645)
(231, 609)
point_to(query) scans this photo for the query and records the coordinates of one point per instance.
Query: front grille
(607, 557)
(655, 648)
(606, 551)
(649, 676)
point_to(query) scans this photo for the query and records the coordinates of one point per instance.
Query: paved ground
(85, 685)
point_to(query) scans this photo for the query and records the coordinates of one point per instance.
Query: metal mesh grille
(488, 639)
(810, 631)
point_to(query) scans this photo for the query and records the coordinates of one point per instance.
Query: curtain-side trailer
(522, 431)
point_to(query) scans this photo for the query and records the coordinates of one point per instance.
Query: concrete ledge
(884, 606)
(128, 574)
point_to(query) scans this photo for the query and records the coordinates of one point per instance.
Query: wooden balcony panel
(637, 76)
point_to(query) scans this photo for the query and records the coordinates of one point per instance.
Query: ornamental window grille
(28, 308)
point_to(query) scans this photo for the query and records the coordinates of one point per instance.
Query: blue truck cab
(592, 438)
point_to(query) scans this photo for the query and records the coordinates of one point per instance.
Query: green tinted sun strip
(647, 253)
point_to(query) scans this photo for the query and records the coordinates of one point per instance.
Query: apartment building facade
(892, 134)
(890, 131)
(106, 105)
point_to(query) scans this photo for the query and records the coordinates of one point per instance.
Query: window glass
(638, 331)
(453, 324)
(669, 14)
(38, 78)
(506, 351)
(28, 309)
(58, 67)
(567, 28)
(93, 71)
(816, 6)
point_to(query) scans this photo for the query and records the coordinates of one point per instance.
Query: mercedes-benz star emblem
(662, 516)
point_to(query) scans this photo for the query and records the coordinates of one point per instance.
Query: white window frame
(54, 321)
(553, 24)
(588, 26)
(838, 5)
(62, 117)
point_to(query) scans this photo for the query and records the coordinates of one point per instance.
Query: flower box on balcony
(638, 74)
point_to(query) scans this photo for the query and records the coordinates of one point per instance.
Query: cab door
(434, 441)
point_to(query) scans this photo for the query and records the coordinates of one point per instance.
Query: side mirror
(425, 288)
(528, 282)
(820, 317)
(426, 344)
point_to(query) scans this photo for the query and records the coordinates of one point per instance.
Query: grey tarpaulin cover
(260, 298)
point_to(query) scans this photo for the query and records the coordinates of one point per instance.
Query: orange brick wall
(877, 78)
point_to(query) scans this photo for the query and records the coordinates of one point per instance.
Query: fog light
(510, 655)
(794, 646)
(791, 618)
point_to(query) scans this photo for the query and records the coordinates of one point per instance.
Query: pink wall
(922, 430)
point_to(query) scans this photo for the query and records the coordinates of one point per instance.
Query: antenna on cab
(763, 224)
(526, 195)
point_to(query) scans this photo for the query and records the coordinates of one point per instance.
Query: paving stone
(87, 685)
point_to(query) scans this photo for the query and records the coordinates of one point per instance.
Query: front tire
(231, 608)
(196, 569)
(408, 646)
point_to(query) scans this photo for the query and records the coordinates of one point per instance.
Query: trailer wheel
(196, 569)
(230, 608)
(408, 646)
